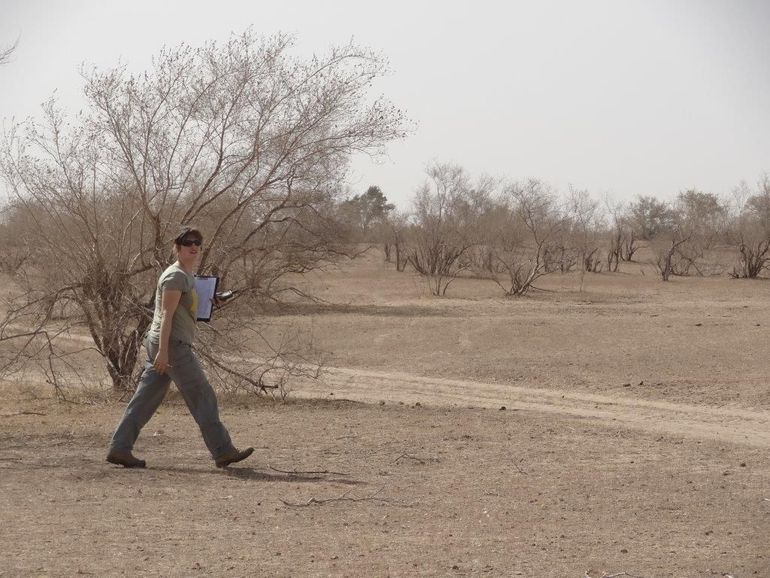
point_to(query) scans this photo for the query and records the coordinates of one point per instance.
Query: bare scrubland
(606, 424)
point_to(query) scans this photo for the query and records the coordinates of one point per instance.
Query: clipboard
(206, 288)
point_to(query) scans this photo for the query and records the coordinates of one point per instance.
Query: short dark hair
(188, 232)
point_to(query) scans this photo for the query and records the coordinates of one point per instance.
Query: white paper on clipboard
(206, 288)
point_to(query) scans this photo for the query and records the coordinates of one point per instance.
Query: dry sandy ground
(411, 490)
(635, 441)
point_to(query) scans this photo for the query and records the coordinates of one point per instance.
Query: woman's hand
(161, 361)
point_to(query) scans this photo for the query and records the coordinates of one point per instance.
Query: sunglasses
(191, 242)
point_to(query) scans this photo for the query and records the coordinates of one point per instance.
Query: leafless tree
(244, 139)
(667, 251)
(623, 242)
(395, 235)
(629, 245)
(751, 229)
(522, 237)
(585, 224)
(756, 204)
(705, 214)
(7, 52)
(560, 256)
(679, 245)
(445, 220)
(753, 259)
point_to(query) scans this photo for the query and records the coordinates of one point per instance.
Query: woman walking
(170, 358)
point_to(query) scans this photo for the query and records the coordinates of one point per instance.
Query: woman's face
(189, 249)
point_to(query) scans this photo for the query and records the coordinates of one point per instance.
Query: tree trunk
(400, 260)
(122, 358)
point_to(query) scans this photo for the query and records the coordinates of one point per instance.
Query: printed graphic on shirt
(193, 303)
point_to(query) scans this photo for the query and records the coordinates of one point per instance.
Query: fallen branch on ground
(409, 457)
(418, 459)
(343, 498)
(307, 472)
(22, 413)
(590, 574)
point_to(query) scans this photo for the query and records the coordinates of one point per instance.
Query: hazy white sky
(617, 97)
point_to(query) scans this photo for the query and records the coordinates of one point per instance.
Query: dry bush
(445, 224)
(238, 354)
(751, 229)
(623, 242)
(753, 259)
(583, 230)
(521, 236)
(668, 253)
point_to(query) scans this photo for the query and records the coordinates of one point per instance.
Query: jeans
(186, 372)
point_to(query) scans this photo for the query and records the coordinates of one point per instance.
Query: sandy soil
(633, 442)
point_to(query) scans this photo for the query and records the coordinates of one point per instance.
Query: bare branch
(307, 472)
(374, 497)
(6, 53)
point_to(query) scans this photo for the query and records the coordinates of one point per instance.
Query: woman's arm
(169, 300)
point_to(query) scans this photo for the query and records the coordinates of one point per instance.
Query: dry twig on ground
(17, 413)
(419, 460)
(408, 457)
(343, 498)
(296, 472)
(590, 574)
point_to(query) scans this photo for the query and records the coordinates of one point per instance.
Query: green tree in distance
(366, 210)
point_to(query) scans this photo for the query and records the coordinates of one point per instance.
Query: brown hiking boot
(125, 458)
(232, 456)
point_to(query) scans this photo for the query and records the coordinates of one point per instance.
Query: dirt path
(740, 426)
(749, 428)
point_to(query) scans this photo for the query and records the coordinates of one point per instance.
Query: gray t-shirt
(183, 323)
